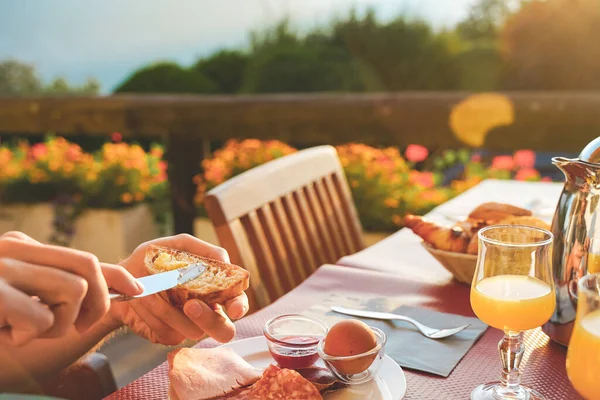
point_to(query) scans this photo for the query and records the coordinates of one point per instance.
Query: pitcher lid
(591, 152)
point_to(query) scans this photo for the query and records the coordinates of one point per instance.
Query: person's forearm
(27, 365)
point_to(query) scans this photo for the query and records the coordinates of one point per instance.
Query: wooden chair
(285, 218)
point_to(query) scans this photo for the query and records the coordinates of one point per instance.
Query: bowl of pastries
(456, 246)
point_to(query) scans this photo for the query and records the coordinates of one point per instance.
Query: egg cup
(359, 368)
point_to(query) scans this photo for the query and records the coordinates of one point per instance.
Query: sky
(109, 39)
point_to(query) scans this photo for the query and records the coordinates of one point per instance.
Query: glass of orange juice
(512, 290)
(583, 356)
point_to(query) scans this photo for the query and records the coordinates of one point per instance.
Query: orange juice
(593, 263)
(583, 358)
(513, 302)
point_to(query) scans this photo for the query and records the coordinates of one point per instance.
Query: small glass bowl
(352, 370)
(293, 339)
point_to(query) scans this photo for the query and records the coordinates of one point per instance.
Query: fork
(432, 333)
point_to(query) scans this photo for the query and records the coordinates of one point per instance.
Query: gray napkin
(405, 344)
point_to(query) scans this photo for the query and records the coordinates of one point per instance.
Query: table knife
(157, 283)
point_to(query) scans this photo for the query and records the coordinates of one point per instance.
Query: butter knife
(165, 280)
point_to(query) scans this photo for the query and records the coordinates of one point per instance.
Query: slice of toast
(220, 282)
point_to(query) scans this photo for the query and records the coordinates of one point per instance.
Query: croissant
(448, 239)
(494, 212)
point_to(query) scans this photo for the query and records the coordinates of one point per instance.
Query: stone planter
(203, 229)
(109, 234)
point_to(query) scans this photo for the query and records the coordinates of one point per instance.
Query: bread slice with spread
(219, 283)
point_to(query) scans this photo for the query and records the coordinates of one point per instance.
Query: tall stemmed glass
(583, 357)
(512, 290)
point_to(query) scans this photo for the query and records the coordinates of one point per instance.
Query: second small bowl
(359, 368)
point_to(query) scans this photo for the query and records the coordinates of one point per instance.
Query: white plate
(389, 384)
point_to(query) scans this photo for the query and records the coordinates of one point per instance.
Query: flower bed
(385, 183)
(71, 183)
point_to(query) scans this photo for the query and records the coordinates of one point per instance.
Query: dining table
(399, 268)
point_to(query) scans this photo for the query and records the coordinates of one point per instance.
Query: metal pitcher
(576, 249)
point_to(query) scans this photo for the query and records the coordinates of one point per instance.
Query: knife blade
(165, 280)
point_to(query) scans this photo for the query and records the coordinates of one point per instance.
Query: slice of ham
(201, 374)
(278, 384)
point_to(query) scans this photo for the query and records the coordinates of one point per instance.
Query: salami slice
(278, 384)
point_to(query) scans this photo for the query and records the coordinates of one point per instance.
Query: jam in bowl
(293, 339)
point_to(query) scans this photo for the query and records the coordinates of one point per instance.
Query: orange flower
(126, 198)
(391, 203)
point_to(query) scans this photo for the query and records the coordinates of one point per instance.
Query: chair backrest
(285, 218)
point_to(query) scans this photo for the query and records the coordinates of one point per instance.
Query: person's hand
(70, 289)
(154, 318)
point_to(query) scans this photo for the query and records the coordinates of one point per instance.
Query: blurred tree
(226, 69)
(61, 87)
(553, 45)
(399, 55)
(166, 77)
(485, 20)
(283, 62)
(20, 79)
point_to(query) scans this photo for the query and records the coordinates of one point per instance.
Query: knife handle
(119, 297)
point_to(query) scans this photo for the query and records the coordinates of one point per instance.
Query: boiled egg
(350, 338)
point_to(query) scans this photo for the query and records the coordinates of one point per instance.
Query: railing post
(184, 155)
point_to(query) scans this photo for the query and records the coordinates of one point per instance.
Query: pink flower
(416, 153)
(39, 150)
(423, 179)
(546, 179)
(525, 174)
(525, 158)
(503, 162)
(476, 158)
(116, 137)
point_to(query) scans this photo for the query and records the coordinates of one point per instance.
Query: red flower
(476, 158)
(162, 165)
(39, 150)
(503, 162)
(546, 179)
(525, 158)
(416, 153)
(116, 137)
(423, 179)
(525, 174)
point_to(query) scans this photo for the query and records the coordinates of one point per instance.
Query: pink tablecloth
(544, 361)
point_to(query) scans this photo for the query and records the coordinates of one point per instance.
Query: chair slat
(331, 222)
(264, 258)
(293, 242)
(349, 210)
(317, 213)
(345, 232)
(316, 245)
(278, 250)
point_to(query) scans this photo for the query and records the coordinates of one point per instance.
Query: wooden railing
(551, 121)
